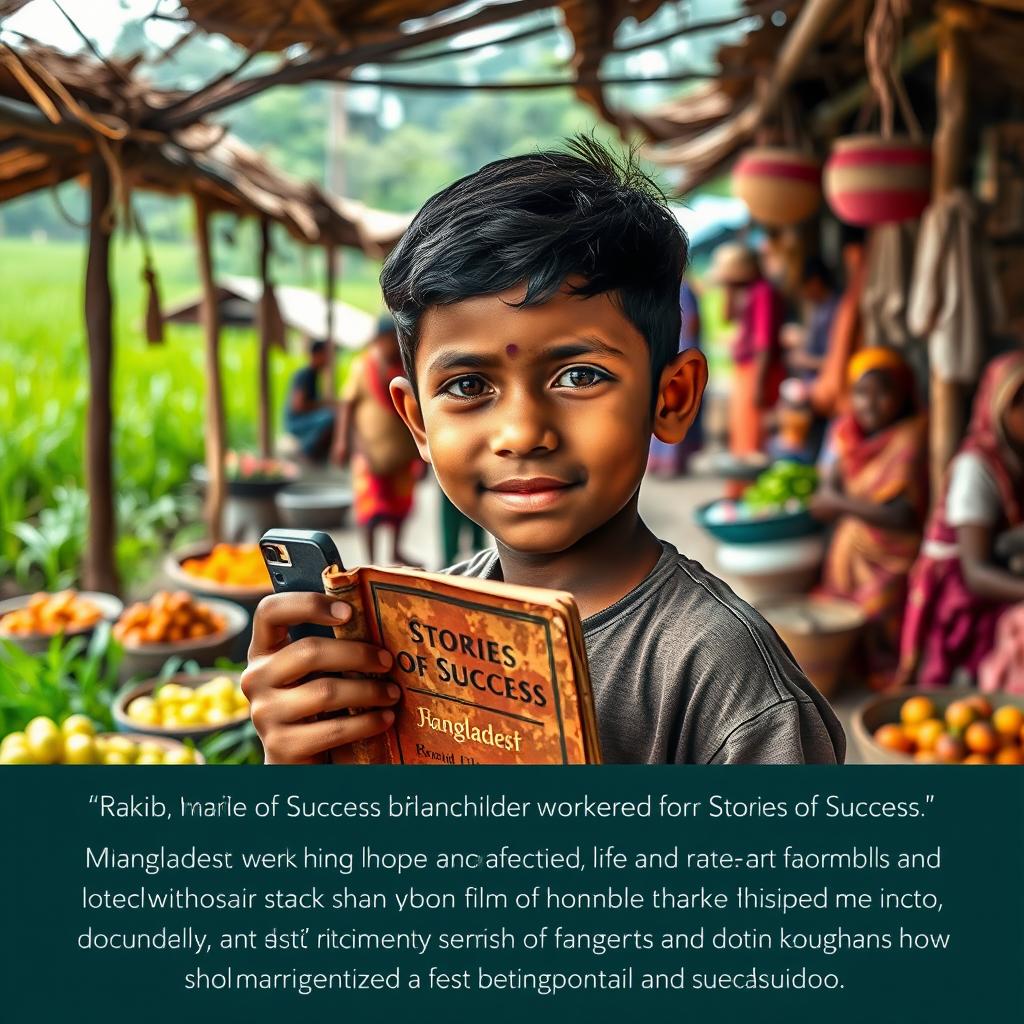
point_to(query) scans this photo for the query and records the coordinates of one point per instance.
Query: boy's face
(537, 420)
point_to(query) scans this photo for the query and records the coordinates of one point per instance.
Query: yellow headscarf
(878, 357)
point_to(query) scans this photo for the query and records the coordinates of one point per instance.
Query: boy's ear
(680, 390)
(408, 408)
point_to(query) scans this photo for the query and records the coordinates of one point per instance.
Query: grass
(158, 390)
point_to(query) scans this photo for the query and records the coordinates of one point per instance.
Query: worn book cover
(490, 673)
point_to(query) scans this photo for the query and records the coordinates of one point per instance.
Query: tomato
(79, 749)
(78, 725)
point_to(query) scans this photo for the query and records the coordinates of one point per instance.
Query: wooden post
(265, 327)
(210, 319)
(100, 568)
(949, 153)
(329, 286)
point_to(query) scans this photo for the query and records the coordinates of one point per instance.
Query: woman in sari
(874, 488)
(957, 591)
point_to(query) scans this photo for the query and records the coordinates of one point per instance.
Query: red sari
(867, 564)
(947, 626)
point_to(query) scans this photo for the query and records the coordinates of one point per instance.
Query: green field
(158, 396)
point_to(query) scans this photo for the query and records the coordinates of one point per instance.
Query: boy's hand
(284, 710)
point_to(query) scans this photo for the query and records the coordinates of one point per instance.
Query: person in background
(671, 459)
(308, 419)
(758, 370)
(806, 346)
(958, 592)
(875, 489)
(371, 434)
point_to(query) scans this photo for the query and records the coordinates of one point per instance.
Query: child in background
(537, 304)
(875, 489)
(371, 434)
(957, 591)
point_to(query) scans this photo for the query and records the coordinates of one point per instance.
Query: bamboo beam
(210, 318)
(265, 340)
(949, 149)
(100, 569)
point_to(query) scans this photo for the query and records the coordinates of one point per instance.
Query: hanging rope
(154, 320)
(881, 50)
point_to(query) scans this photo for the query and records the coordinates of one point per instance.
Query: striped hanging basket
(781, 186)
(871, 179)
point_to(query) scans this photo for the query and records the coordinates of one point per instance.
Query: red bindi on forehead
(511, 351)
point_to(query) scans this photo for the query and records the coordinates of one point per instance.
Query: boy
(537, 305)
(306, 417)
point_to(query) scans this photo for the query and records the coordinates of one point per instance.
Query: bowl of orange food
(177, 625)
(959, 725)
(33, 620)
(236, 572)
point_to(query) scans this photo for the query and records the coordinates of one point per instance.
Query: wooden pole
(210, 319)
(949, 152)
(265, 327)
(329, 287)
(100, 568)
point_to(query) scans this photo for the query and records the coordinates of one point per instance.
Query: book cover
(490, 673)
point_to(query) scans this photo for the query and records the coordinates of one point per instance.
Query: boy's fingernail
(341, 611)
(384, 658)
(394, 692)
(388, 716)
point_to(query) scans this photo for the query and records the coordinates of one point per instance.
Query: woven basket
(873, 180)
(780, 186)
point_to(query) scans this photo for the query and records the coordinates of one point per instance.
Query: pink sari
(946, 626)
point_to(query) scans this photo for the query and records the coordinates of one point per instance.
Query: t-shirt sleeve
(973, 498)
(790, 732)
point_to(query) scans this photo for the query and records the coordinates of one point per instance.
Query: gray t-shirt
(684, 672)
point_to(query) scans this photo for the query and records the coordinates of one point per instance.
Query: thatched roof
(813, 61)
(57, 111)
(377, 30)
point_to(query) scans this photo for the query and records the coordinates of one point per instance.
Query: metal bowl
(110, 608)
(314, 506)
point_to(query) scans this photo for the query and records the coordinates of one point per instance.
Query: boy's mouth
(528, 494)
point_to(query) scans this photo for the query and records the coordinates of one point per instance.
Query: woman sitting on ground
(874, 487)
(958, 591)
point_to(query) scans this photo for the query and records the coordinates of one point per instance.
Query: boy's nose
(523, 429)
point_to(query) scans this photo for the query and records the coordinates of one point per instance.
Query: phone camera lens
(270, 553)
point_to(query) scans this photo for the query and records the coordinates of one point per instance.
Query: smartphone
(296, 560)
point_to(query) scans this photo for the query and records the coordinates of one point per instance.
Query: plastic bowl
(110, 608)
(148, 659)
(780, 526)
(885, 709)
(119, 708)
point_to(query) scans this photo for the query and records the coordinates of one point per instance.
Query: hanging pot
(780, 186)
(870, 179)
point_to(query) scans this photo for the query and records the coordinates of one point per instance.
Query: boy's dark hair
(317, 347)
(540, 218)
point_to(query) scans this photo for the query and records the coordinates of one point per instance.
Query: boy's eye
(581, 377)
(469, 386)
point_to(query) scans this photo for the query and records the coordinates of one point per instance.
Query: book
(490, 672)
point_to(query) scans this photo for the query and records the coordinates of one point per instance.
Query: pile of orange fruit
(969, 732)
(167, 619)
(240, 565)
(50, 614)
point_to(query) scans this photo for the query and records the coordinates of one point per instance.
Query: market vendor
(874, 488)
(958, 592)
(306, 417)
(758, 370)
